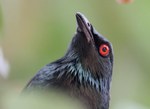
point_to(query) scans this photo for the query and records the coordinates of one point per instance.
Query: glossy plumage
(83, 72)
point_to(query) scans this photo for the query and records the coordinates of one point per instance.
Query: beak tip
(78, 14)
(79, 20)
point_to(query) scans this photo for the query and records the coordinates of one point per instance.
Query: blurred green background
(36, 32)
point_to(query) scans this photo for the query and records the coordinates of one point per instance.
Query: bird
(84, 72)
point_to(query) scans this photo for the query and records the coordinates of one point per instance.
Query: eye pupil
(104, 50)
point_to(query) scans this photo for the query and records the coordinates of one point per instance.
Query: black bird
(84, 72)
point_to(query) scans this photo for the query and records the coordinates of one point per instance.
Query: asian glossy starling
(84, 72)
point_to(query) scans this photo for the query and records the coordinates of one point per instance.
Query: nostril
(88, 24)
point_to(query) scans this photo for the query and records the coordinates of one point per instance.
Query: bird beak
(83, 25)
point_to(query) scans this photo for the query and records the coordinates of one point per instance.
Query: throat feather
(85, 77)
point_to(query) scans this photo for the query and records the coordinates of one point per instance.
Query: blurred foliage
(36, 32)
(40, 101)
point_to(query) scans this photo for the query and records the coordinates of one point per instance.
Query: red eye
(104, 50)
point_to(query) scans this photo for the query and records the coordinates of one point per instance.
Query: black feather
(82, 72)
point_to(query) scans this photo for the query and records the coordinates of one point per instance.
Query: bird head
(93, 51)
